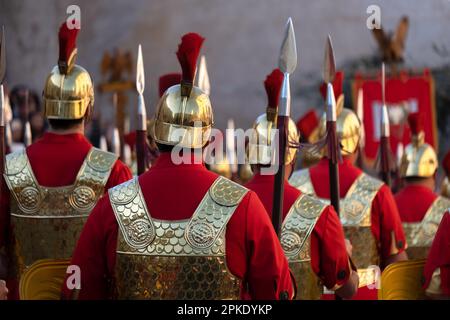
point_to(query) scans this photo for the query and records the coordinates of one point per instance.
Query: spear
(287, 63)
(115, 142)
(2, 106)
(141, 131)
(2, 109)
(329, 72)
(362, 140)
(203, 78)
(231, 149)
(385, 157)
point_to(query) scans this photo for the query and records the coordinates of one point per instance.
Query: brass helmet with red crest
(184, 114)
(419, 159)
(259, 148)
(68, 91)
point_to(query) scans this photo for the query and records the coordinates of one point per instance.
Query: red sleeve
(268, 273)
(119, 174)
(439, 256)
(329, 258)
(95, 253)
(386, 224)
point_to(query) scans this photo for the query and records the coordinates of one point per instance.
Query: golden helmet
(184, 114)
(259, 148)
(419, 158)
(68, 90)
(348, 127)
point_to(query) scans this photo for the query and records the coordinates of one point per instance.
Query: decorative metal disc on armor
(291, 243)
(83, 198)
(141, 233)
(200, 235)
(30, 199)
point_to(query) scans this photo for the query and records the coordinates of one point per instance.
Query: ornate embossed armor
(48, 220)
(295, 241)
(183, 259)
(355, 217)
(420, 235)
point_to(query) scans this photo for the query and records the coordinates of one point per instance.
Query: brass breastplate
(355, 217)
(184, 259)
(47, 221)
(295, 241)
(420, 235)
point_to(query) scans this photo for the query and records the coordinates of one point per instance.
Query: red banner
(404, 94)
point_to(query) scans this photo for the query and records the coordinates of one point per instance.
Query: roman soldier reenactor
(179, 231)
(368, 210)
(437, 268)
(55, 182)
(420, 208)
(312, 236)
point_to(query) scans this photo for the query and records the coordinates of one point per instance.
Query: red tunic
(413, 202)
(56, 160)
(173, 192)
(328, 253)
(439, 256)
(385, 218)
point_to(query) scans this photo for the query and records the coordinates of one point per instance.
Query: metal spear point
(360, 113)
(385, 129)
(141, 131)
(329, 72)
(287, 62)
(140, 86)
(329, 66)
(384, 149)
(203, 77)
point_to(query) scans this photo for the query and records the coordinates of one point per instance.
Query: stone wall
(242, 41)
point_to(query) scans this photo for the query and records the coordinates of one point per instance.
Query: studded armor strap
(295, 241)
(419, 236)
(298, 225)
(302, 181)
(22, 183)
(357, 204)
(91, 179)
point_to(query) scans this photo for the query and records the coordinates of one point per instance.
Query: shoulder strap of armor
(358, 200)
(96, 169)
(215, 210)
(301, 179)
(434, 215)
(22, 183)
(132, 214)
(298, 225)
